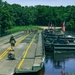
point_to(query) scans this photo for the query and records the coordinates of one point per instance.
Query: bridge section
(28, 53)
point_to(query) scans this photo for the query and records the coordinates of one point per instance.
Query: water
(55, 63)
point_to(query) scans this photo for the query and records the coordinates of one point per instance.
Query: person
(62, 72)
(12, 42)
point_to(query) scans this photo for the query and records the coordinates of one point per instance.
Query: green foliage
(22, 28)
(70, 25)
(16, 15)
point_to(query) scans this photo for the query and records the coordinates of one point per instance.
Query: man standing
(12, 42)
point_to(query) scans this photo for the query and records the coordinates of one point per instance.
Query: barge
(58, 41)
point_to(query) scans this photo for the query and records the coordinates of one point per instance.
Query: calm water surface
(55, 63)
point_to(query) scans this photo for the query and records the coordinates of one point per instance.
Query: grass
(22, 28)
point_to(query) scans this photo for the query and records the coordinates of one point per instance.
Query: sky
(42, 2)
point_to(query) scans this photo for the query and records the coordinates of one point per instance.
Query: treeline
(17, 15)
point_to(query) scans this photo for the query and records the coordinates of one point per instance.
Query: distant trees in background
(17, 15)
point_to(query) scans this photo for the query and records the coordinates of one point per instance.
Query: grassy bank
(22, 28)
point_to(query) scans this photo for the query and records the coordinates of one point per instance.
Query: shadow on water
(27, 74)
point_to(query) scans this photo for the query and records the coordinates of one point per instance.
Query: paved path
(28, 57)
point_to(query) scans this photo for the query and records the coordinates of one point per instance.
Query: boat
(57, 40)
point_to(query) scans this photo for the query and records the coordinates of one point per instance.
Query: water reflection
(55, 63)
